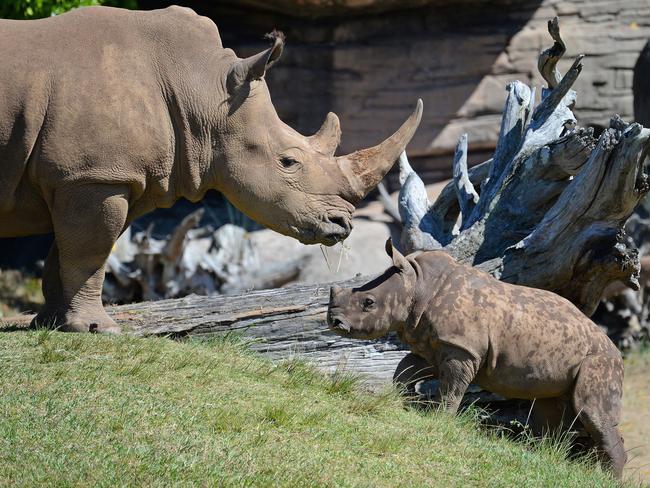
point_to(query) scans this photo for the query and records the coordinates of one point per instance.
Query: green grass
(87, 410)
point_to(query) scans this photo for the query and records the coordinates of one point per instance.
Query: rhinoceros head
(377, 307)
(289, 182)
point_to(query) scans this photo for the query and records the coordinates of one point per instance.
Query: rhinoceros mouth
(328, 231)
(335, 228)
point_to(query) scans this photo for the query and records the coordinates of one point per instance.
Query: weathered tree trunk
(278, 323)
(549, 209)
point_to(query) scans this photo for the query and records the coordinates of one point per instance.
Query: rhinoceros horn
(364, 169)
(328, 137)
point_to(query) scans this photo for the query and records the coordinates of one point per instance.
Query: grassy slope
(99, 411)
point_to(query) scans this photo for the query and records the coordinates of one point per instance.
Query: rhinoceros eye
(368, 303)
(289, 164)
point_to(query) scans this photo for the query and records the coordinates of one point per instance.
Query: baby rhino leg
(597, 402)
(551, 415)
(456, 370)
(411, 369)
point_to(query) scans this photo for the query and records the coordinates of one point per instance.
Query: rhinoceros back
(81, 93)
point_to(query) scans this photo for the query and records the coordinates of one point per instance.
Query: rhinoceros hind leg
(597, 401)
(87, 222)
(52, 311)
(550, 415)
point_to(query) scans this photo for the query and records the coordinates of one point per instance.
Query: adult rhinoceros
(106, 114)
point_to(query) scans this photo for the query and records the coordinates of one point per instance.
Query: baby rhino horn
(364, 169)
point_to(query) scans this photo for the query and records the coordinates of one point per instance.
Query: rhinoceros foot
(93, 321)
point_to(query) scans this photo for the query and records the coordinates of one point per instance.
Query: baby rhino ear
(398, 259)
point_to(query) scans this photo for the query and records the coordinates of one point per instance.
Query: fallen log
(279, 323)
(291, 323)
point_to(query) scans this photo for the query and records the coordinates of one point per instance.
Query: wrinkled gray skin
(106, 114)
(463, 326)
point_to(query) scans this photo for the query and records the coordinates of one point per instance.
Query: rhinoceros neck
(192, 65)
(190, 174)
(194, 106)
(434, 269)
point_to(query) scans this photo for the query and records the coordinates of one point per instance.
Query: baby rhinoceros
(467, 327)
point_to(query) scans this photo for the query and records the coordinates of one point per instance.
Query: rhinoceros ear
(243, 71)
(399, 261)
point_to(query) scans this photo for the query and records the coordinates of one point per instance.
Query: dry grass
(635, 423)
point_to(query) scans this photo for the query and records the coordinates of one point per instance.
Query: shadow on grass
(511, 418)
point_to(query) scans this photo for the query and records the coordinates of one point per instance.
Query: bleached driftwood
(549, 209)
(192, 259)
(623, 312)
(465, 191)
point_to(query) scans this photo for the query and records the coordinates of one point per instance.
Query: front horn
(364, 169)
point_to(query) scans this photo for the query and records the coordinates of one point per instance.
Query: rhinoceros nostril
(341, 222)
(340, 325)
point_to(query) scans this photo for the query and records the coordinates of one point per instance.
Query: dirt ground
(635, 424)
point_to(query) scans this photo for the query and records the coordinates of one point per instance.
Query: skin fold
(107, 114)
(464, 326)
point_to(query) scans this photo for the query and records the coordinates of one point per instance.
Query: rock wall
(370, 67)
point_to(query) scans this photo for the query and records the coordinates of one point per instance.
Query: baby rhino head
(377, 307)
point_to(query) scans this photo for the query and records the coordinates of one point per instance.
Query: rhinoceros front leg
(87, 221)
(411, 370)
(456, 370)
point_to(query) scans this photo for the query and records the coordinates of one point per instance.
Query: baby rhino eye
(368, 302)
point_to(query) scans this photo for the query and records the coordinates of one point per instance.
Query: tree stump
(549, 209)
